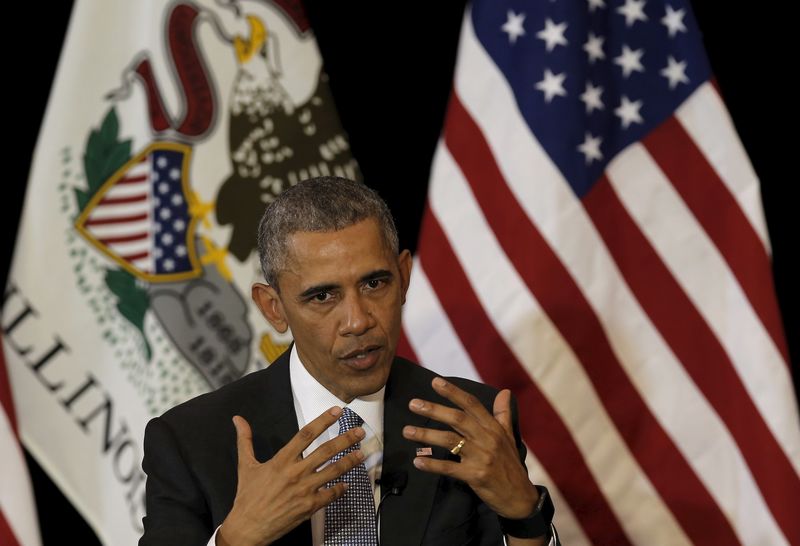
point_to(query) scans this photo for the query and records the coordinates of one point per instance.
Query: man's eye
(373, 284)
(322, 297)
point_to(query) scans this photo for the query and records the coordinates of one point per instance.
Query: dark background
(390, 67)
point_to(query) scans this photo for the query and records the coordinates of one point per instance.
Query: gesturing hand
(274, 497)
(490, 462)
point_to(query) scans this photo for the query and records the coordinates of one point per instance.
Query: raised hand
(489, 462)
(274, 497)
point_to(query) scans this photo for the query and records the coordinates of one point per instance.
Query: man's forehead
(314, 255)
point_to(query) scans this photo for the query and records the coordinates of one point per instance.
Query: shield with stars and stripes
(141, 217)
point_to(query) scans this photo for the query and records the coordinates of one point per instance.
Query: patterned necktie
(350, 519)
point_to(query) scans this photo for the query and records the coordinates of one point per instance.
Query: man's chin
(362, 383)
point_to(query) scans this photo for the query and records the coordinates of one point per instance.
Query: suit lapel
(271, 411)
(404, 517)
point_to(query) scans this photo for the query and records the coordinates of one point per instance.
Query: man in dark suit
(444, 457)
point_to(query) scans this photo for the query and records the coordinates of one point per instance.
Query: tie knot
(349, 420)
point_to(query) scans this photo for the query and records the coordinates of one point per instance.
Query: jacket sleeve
(177, 512)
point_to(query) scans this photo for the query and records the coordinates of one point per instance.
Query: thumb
(244, 441)
(502, 410)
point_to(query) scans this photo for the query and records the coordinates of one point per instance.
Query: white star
(594, 47)
(673, 20)
(169, 264)
(163, 187)
(513, 26)
(633, 10)
(593, 4)
(165, 214)
(176, 199)
(675, 72)
(553, 34)
(178, 225)
(628, 112)
(174, 174)
(630, 60)
(590, 148)
(552, 85)
(158, 252)
(167, 239)
(161, 162)
(157, 226)
(180, 251)
(591, 98)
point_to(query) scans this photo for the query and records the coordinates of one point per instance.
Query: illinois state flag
(171, 124)
(594, 240)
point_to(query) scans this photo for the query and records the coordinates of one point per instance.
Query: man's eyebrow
(377, 274)
(318, 289)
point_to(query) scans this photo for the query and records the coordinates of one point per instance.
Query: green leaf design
(132, 301)
(82, 198)
(110, 127)
(104, 154)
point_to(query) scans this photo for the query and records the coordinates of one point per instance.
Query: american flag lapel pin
(424, 452)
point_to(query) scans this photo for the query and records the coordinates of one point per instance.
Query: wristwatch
(535, 525)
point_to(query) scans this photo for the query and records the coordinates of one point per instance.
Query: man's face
(341, 294)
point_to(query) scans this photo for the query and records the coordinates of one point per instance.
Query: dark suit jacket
(190, 459)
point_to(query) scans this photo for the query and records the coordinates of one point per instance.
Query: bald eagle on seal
(274, 141)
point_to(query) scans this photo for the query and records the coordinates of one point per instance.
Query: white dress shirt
(311, 400)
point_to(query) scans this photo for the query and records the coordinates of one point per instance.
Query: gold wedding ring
(458, 447)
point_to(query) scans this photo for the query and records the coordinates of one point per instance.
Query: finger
(327, 495)
(441, 438)
(326, 451)
(438, 466)
(244, 441)
(502, 411)
(463, 423)
(309, 433)
(340, 467)
(464, 400)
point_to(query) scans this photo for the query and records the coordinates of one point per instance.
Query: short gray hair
(326, 203)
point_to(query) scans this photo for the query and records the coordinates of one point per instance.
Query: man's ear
(404, 263)
(269, 303)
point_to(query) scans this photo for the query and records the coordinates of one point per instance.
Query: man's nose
(357, 318)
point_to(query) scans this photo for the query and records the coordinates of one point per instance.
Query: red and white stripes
(18, 521)
(123, 219)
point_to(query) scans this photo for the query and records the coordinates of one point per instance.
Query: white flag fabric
(594, 240)
(169, 127)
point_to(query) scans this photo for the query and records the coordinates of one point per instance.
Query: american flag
(141, 218)
(594, 240)
(18, 521)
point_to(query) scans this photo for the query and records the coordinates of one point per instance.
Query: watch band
(535, 525)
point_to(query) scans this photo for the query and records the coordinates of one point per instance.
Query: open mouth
(363, 358)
